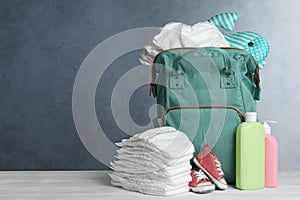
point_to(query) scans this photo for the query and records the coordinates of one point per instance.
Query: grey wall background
(43, 44)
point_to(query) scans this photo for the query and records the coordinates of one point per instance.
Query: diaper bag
(205, 92)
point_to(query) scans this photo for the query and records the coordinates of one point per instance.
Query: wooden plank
(96, 185)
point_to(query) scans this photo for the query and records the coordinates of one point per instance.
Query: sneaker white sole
(203, 190)
(219, 185)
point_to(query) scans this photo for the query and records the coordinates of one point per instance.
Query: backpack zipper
(163, 116)
(178, 48)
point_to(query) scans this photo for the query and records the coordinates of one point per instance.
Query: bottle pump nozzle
(267, 126)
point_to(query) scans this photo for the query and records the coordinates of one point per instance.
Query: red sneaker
(210, 164)
(200, 182)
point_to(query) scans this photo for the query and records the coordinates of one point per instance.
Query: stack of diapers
(155, 162)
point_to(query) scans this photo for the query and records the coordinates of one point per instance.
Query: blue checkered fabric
(251, 42)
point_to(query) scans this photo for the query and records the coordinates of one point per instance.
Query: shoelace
(219, 170)
(200, 175)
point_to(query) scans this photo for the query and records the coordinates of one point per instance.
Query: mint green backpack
(205, 92)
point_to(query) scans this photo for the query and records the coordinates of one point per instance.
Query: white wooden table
(92, 185)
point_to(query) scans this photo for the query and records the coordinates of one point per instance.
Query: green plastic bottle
(250, 154)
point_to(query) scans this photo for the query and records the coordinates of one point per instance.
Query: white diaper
(178, 35)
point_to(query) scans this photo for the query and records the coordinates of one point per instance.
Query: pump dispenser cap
(251, 117)
(267, 127)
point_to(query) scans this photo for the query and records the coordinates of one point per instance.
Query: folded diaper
(172, 180)
(155, 162)
(158, 189)
(125, 166)
(177, 35)
(158, 160)
(167, 141)
(167, 181)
